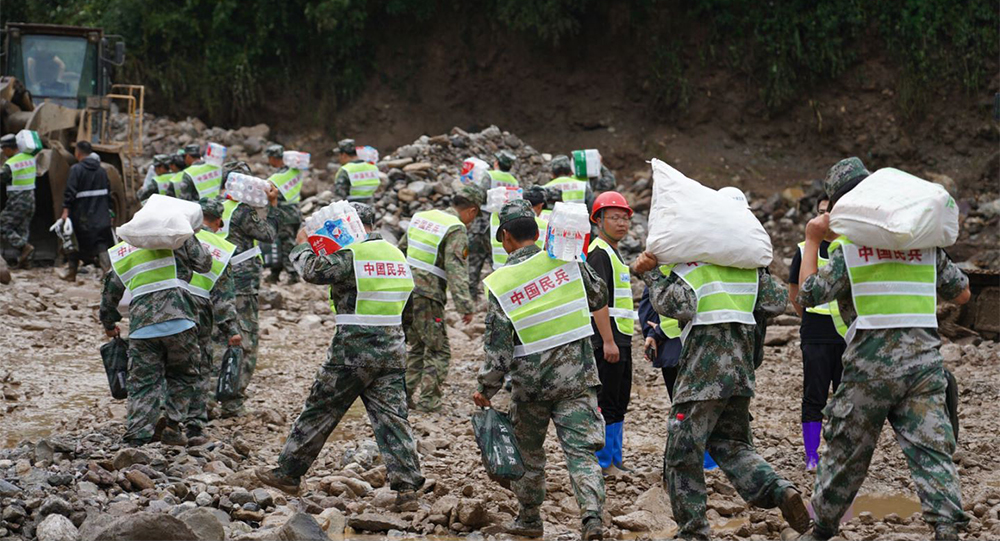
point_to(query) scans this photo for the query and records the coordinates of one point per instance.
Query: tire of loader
(951, 401)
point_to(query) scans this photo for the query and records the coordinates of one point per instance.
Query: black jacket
(88, 199)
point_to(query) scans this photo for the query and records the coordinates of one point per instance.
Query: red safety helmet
(609, 200)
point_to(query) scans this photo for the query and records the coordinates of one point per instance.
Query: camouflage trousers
(197, 416)
(723, 428)
(429, 355)
(288, 227)
(580, 430)
(15, 219)
(246, 319)
(915, 407)
(167, 365)
(337, 387)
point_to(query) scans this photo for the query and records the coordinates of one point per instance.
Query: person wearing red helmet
(613, 324)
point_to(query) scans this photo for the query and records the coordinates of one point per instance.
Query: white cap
(735, 194)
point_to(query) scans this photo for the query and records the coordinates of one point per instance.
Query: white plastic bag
(163, 223)
(28, 141)
(333, 227)
(568, 232)
(295, 159)
(895, 210)
(689, 222)
(474, 170)
(587, 163)
(247, 189)
(215, 154)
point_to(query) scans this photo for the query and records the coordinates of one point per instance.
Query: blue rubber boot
(605, 457)
(619, 439)
(709, 463)
(810, 440)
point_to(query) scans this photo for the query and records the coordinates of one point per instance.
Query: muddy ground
(54, 388)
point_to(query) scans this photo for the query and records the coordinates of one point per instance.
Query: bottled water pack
(568, 233)
(247, 189)
(334, 227)
(497, 197)
(474, 171)
(587, 163)
(295, 159)
(215, 154)
(368, 154)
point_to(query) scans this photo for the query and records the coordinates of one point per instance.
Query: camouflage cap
(535, 195)
(560, 164)
(365, 212)
(8, 141)
(347, 146)
(192, 150)
(505, 159)
(518, 208)
(162, 160)
(473, 192)
(211, 207)
(274, 151)
(234, 167)
(842, 172)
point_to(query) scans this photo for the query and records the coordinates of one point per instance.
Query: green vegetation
(217, 58)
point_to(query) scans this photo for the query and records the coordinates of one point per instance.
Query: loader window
(58, 66)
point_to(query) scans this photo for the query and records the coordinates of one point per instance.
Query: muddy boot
(527, 524)
(158, 429)
(24, 260)
(4, 272)
(406, 501)
(945, 532)
(69, 273)
(196, 438)
(592, 529)
(794, 510)
(274, 276)
(274, 479)
(172, 436)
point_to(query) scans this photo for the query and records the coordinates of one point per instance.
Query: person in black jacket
(87, 204)
(666, 350)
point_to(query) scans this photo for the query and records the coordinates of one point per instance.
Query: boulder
(332, 521)
(141, 527)
(951, 353)
(472, 513)
(637, 521)
(55, 505)
(377, 522)
(129, 456)
(301, 527)
(57, 528)
(8, 490)
(139, 480)
(779, 336)
(262, 497)
(204, 523)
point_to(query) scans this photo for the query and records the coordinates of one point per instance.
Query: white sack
(690, 222)
(163, 223)
(895, 210)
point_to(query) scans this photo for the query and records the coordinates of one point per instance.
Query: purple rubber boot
(810, 440)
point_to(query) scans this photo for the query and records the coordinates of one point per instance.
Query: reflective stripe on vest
(228, 209)
(501, 178)
(423, 239)
(573, 190)
(91, 193)
(725, 294)
(670, 326)
(221, 251)
(384, 283)
(830, 308)
(622, 308)
(289, 183)
(364, 180)
(23, 171)
(891, 289)
(207, 179)
(543, 227)
(144, 271)
(545, 301)
(163, 182)
(499, 254)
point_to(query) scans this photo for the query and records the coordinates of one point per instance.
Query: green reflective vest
(827, 309)
(144, 271)
(573, 189)
(364, 180)
(670, 326)
(725, 294)
(891, 289)
(23, 171)
(207, 179)
(228, 208)
(545, 300)
(499, 254)
(622, 307)
(163, 182)
(501, 178)
(221, 251)
(543, 226)
(289, 183)
(384, 283)
(423, 239)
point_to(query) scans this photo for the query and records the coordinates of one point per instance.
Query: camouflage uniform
(245, 227)
(604, 183)
(185, 188)
(480, 253)
(895, 374)
(365, 361)
(715, 382)
(426, 330)
(342, 186)
(154, 363)
(560, 385)
(15, 219)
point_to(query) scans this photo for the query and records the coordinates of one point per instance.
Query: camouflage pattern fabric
(15, 219)
(559, 373)
(429, 355)
(249, 329)
(158, 306)
(915, 407)
(452, 257)
(216, 313)
(246, 226)
(185, 188)
(722, 427)
(842, 173)
(604, 183)
(342, 186)
(337, 387)
(580, 429)
(480, 253)
(149, 188)
(170, 364)
(717, 361)
(288, 226)
(354, 345)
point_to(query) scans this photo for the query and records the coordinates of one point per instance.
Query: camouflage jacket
(479, 234)
(604, 183)
(453, 255)
(185, 188)
(881, 353)
(342, 185)
(245, 227)
(555, 374)
(353, 345)
(159, 306)
(717, 361)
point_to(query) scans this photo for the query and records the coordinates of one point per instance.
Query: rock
(444, 506)
(406, 195)
(792, 195)
(301, 527)
(357, 486)
(271, 299)
(310, 322)
(129, 456)
(57, 528)
(472, 513)
(253, 145)
(8, 490)
(725, 506)
(139, 480)
(13, 514)
(384, 499)
(377, 522)
(944, 180)
(240, 496)
(262, 497)
(248, 515)
(417, 167)
(219, 467)
(656, 501)
(144, 526)
(333, 522)
(208, 479)
(421, 188)
(951, 353)
(203, 499)
(86, 488)
(779, 336)
(55, 505)
(204, 523)
(637, 521)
